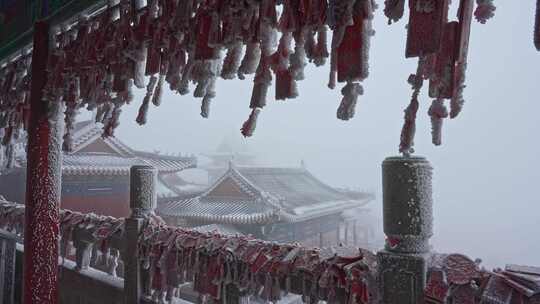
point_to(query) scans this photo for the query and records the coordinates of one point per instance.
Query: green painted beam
(17, 19)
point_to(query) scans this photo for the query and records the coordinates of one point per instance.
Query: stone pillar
(142, 202)
(407, 219)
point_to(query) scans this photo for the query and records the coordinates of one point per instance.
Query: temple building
(278, 204)
(95, 174)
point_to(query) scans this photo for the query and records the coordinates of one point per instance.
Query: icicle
(143, 110)
(485, 10)
(156, 99)
(350, 93)
(232, 60)
(250, 61)
(438, 112)
(394, 9)
(249, 126)
(537, 26)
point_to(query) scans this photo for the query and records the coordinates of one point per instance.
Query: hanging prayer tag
(425, 30)
(442, 83)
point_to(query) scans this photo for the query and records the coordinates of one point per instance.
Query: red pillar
(43, 182)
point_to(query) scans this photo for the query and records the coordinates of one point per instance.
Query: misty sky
(486, 172)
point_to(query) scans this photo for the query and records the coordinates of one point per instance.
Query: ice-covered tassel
(457, 101)
(140, 66)
(409, 129)
(262, 82)
(249, 126)
(537, 26)
(232, 61)
(409, 126)
(70, 116)
(129, 92)
(350, 93)
(298, 58)
(438, 113)
(183, 86)
(113, 122)
(394, 9)
(156, 99)
(207, 99)
(320, 53)
(485, 10)
(250, 61)
(143, 110)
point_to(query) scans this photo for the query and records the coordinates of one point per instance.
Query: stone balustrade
(161, 262)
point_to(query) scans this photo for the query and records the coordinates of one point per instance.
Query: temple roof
(95, 155)
(257, 195)
(109, 164)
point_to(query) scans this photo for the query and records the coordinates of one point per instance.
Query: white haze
(486, 173)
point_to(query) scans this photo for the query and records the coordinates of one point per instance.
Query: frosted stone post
(407, 217)
(143, 201)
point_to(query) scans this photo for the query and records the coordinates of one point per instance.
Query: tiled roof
(87, 131)
(296, 187)
(219, 211)
(109, 164)
(97, 164)
(89, 163)
(262, 195)
(167, 163)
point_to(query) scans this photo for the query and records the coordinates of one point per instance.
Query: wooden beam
(43, 183)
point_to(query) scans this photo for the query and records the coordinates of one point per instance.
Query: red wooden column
(43, 184)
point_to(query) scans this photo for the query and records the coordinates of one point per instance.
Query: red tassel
(249, 126)
(443, 83)
(394, 9)
(202, 50)
(350, 64)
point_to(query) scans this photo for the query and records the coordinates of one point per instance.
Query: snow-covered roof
(110, 164)
(117, 158)
(256, 195)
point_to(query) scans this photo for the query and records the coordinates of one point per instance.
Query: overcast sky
(486, 173)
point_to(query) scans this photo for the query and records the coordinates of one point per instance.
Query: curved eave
(314, 211)
(248, 219)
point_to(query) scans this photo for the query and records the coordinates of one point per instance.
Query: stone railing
(157, 261)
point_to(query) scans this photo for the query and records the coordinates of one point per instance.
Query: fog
(486, 171)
